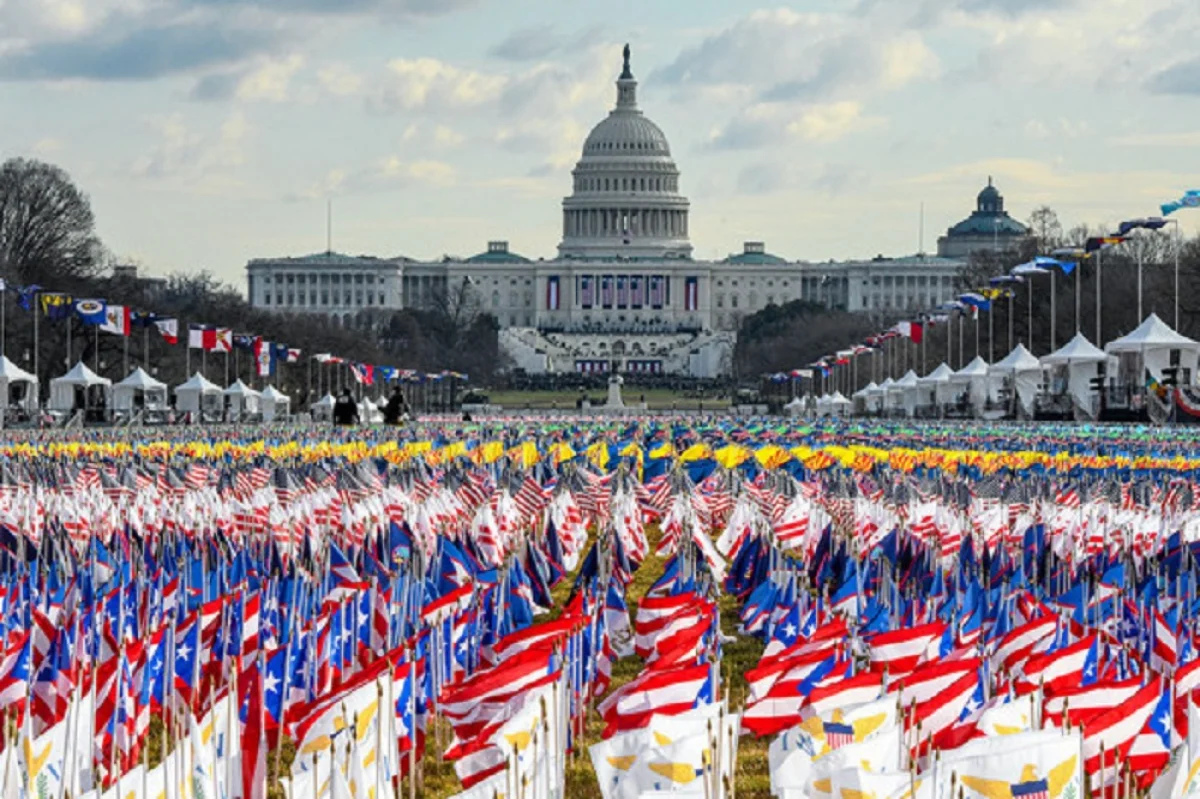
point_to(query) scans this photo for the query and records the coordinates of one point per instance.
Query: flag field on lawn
(617, 608)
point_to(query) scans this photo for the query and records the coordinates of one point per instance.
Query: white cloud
(825, 123)
(427, 83)
(270, 80)
(388, 174)
(183, 151)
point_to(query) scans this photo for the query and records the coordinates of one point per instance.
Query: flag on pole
(116, 320)
(911, 330)
(90, 312)
(169, 329)
(264, 357)
(1190, 199)
(56, 306)
(210, 338)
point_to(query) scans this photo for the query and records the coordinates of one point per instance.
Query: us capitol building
(624, 289)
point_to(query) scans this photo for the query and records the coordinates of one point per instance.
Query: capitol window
(720, 300)
(495, 299)
(733, 301)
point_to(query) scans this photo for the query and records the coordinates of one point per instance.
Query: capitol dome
(625, 201)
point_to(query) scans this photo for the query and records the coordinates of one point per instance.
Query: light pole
(1178, 244)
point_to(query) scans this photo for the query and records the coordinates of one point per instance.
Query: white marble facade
(623, 274)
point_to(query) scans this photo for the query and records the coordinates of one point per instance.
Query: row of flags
(122, 320)
(1000, 287)
(928, 620)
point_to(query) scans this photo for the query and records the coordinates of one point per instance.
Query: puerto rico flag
(364, 373)
(552, 293)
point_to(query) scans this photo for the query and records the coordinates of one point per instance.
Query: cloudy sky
(208, 132)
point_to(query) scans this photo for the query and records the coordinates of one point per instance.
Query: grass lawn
(657, 399)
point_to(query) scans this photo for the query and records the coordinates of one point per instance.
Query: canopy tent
(862, 397)
(1152, 347)
(240, 399)
(902, 395)
(934, 388)
(794, 408)
(1073, 366)
(139, 391)
(877, 397)
(275, 404)
(368, 412)
(198, 394)
(839, 405)
(1025, 371)
(974, 377)
(322, 409)
(79, 389)
(17, 387)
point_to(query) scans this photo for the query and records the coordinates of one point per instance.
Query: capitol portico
(623, 287)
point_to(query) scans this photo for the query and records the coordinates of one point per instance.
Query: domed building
(624, 291)
(989, 228)
(626, 201)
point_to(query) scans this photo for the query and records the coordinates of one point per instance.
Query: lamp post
(1178, 244)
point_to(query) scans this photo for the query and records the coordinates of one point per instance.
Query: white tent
(877, 397)
(240, 399)
(934, 388)
(17, 387)
(198, 394)
(322, 409)
(79, 388)
(794, 408)
(1150, 347)
(974, 377)
(1024, 370)
(862, 397)
(275, 404)
(839, 405)
(902, 395)
(368, 412)
(1074, 365)
(140, 390)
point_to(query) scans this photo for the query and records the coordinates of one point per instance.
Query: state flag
(117, 319)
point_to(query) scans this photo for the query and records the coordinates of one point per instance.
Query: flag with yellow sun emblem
(1021, 766)
(805, 757)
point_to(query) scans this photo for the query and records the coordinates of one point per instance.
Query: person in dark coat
(396, 408)
(345, 410)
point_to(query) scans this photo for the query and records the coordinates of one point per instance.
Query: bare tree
(1045, 229)
(47, 231)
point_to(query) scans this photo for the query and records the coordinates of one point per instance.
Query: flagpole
(1012, 300)
(146, 347)
(227, 368)
(1140, 316)
(960, 339)
(3, 321)
(1029, 318)
(1078, 295)
(1099, 294)
(949, 338)
(125, 355)
(188, 356)
(36, 342)
(991, 329)
(96, 353)
(1053, 307)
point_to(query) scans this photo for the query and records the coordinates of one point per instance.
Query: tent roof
(1151, 334)
(1077, 350)
(839, 399)
(14, 374)
(80, 375)
(976, 368)
(240, 389)
(139, 378)
(868, 388)
(938, 375)
(324, 402)
(199, 382)
(796, 402)
(908, 381)
(1019, 360)
(275, 395)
